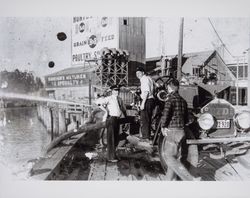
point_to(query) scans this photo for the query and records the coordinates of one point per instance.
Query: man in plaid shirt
(174, 118)
(175, 114)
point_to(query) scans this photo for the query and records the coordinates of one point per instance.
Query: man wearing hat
(147, 103)
(173, 121)
(116, 110)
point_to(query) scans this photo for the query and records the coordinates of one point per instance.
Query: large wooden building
(89, 36)
(125, 33)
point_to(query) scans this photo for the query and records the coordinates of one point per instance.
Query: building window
(246, 72)
(125, 21)
(196, 71)
(233, 70)
(240, 72)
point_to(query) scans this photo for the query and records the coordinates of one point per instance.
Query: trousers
(113, 127)
(173, 152)
(146, 118)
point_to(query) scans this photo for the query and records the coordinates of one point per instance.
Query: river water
(22, 140)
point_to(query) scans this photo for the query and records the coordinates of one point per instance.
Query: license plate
(223, 124)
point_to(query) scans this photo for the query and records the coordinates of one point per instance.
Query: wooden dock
(136, 169)
(131, 167)
(141, 166)
(226, 169)
(48, 166)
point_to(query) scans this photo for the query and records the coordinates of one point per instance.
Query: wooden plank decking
(47, 167)
(135, 165)
(132, 169)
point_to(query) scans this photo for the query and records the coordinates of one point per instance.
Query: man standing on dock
(174, 119)
(116, 110)
(147, 103)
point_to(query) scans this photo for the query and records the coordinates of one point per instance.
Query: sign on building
(69, 80)
(91, 34)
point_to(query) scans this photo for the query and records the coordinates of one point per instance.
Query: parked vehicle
(215, 126)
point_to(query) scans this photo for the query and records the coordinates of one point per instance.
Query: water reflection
(22, 139)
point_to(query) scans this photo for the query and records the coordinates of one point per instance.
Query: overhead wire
(224, 45)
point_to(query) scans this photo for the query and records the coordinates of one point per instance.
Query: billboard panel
(90, 35)
(67, 80)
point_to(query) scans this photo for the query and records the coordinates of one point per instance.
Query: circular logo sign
(104, 21)
(82, 27)
(92, 41)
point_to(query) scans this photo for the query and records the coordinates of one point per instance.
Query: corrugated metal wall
(132, 38)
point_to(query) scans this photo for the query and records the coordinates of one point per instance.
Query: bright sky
(199, 35)
(30, 42)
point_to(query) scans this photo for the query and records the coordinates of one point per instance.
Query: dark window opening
(125, 22)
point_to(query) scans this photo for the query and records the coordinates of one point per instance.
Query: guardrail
(59, 119)
(58, 116)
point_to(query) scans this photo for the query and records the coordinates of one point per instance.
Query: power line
(223, 44)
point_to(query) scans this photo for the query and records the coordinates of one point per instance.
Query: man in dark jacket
(174, 118)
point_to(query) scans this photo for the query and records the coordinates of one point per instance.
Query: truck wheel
(162, 146)
(191, 155)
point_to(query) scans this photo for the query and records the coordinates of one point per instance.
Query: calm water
(22, 140)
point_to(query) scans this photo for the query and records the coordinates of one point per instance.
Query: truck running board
(218, 140)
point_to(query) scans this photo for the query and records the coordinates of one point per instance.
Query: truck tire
(162, 152)
(191, 155)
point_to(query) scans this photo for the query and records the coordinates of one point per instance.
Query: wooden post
(248, 74)
(41, 113)
(82, 118)
(180, 49)
(56, 121)
(89, 91)
(61, 119)
(46, 121)
(49, 120)
(38, 112)
(52, 124)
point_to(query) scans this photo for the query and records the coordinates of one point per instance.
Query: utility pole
(248, 73)
(180, 49)
(237, 83)
(163, 65)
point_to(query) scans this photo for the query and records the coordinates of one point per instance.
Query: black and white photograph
(99, 98)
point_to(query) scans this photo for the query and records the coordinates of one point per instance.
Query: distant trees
(20, 82)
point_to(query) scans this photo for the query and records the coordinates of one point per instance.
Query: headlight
(243, 120)
(206, 121)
